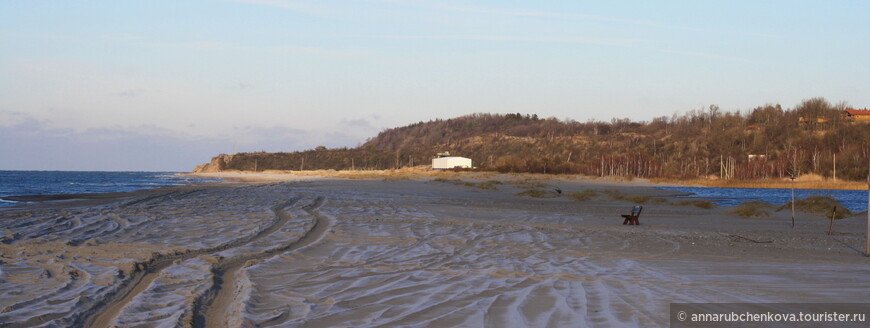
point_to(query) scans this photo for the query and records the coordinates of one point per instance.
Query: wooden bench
(633, 218)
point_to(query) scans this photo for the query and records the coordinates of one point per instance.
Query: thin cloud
(131, 93)
(317, 51)
(205, 45)
(304, 8)
(532, 13)
(640, 44)
(559, 39)
(709, 56)
(141, 41)
(274, 3)
(522, 13)
(356, 123)
(38, 145)
(8, 117)
(550, 14)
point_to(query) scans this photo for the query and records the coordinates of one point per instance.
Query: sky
(166, 85)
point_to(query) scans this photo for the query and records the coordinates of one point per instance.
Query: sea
(19, 183)
(854, 200)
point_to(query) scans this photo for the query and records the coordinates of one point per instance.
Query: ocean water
(17, 183)
(854, 200)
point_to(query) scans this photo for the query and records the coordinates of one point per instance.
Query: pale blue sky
(164, 85)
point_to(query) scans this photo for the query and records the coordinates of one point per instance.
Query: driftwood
(752, 240)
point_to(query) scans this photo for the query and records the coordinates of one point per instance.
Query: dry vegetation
(488, 185)
(583, 195)
(753, 209)
(539, 193)
(706, 146)
(821, 205)
(639, 199)
(491, 184)
(528, 183)
(700, 203)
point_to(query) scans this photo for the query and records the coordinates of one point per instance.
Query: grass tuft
(658, 200)
(538, 193)
(489, 185)
(528, 183)
(753, 209)
(615, 194)
(583, 195)
(695, 202)
(639, 199)
(821, 205)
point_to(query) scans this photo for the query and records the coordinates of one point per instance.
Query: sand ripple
(402, 253)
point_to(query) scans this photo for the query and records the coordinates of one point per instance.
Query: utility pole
(302, 166)
(835, 166)
(792, 201)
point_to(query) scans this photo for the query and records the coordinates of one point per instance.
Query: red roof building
(858, 114)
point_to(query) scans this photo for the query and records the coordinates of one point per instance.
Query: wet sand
(406, 252)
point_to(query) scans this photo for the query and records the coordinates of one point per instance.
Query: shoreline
(418, 175)
(108, 193)
(229, 178)
(803, 182)
(270, 176)
(92, 199)
(774, 184)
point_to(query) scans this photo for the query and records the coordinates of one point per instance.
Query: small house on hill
(450, 162)
(857, 115)
(753, 128)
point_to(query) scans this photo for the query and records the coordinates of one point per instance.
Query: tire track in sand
(104, 313)
(212, 309)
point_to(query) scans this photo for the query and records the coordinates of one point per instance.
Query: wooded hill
(765, 142)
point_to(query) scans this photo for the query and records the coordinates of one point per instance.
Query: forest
(766, 142)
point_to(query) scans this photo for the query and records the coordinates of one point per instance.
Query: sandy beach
(311, 251)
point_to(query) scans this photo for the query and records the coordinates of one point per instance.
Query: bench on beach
(633, 218)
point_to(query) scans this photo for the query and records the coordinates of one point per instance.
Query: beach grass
(583, 195)
(639, 199)
(487, 185)
(528, 183)
(753, 209)
(538, 193)
(821, 205)
(700, 203)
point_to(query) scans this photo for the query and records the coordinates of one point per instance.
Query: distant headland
(820, 144)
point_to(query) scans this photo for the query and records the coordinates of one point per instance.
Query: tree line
(768, 141)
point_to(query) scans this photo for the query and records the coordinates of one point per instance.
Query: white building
(443, 163)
